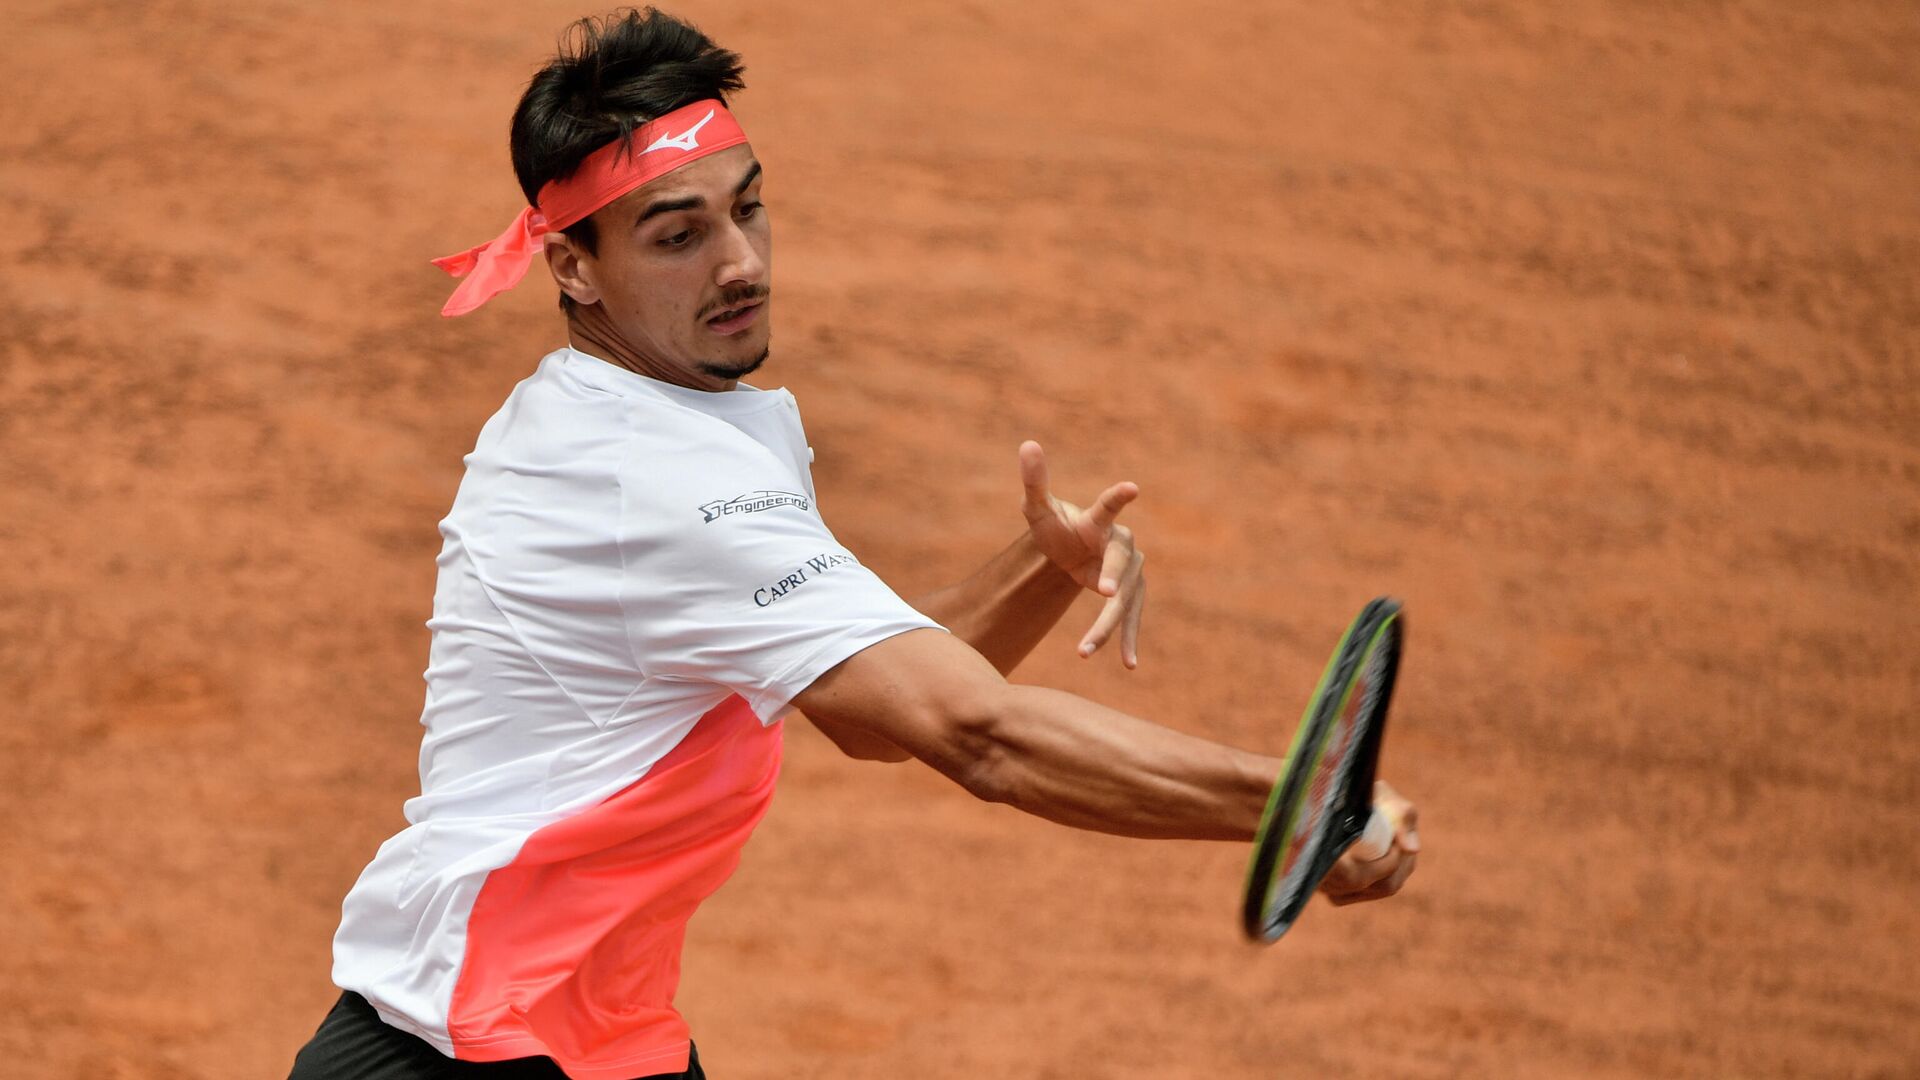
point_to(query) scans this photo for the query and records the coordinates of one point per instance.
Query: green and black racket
(1322, 803)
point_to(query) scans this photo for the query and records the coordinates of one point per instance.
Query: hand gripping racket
(1322, 803)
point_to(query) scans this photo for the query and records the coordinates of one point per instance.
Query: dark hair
(611, 75)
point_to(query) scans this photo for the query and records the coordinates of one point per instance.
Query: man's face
(681, 273)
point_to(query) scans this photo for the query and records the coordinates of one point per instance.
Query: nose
(741, 262)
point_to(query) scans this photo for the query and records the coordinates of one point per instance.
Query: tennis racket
(1322, 803)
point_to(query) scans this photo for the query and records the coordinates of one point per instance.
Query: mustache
(736, 297)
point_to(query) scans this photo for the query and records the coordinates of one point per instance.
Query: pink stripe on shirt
(573, 949)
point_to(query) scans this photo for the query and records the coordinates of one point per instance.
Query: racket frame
(1379, 624)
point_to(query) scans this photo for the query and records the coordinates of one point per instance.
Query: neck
(590, 331)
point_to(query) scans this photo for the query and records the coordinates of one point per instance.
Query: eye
(747, 210)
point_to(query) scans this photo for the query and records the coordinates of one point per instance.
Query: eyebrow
(694, 202)
(753, 173)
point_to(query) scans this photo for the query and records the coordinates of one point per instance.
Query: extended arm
(1066, 759)
(1043, 751)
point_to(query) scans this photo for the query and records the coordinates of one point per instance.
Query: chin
(735, 369)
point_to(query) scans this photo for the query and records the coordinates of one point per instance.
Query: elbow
(989, 778)
(979, 756)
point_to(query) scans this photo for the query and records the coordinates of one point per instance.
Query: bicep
(923, 691)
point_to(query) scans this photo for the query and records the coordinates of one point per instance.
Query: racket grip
(1377, 840)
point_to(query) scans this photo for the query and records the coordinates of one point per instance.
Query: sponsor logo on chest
(751, 503)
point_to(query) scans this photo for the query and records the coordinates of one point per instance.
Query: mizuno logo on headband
(683, 141)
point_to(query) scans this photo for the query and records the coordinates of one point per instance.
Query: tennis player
(636, 586)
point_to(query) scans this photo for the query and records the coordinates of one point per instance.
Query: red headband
(657, 148)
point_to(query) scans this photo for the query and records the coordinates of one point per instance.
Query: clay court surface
(1593, 332)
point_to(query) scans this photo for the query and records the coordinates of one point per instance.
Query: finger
(1401, 873)
(1103, 626)
(1351, 874)
(1033, 477)
(1130, 631)
(1120, 601)
(1379, 890)
(1118, 560)
(1111, 502)
(1385, 887)
(1402, 870)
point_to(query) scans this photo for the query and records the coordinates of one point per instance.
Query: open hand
(1092, 549)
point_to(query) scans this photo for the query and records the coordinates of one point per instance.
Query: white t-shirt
(635, 582)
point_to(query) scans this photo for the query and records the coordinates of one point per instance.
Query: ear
(573, 269)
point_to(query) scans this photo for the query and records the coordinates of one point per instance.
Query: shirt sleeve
(729, 575)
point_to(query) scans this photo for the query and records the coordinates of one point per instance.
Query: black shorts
(353, 1043)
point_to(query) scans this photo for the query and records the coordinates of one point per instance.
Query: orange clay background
(1592, 330)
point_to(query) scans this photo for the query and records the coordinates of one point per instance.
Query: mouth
(733, 320)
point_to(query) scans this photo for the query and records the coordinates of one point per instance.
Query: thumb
(1033, 477)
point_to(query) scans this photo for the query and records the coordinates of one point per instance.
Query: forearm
(1069, 760)
(1006, 607)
